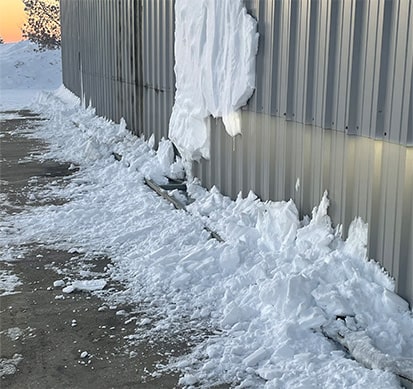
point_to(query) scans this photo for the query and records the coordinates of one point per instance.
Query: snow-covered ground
(22, 77)
(262, 297)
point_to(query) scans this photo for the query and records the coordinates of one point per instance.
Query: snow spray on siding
(215, 47)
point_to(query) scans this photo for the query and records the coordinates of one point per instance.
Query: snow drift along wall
(325, 70)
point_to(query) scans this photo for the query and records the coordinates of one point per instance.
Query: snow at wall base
(265, 295)
(267, 291)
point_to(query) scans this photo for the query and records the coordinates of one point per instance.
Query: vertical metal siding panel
(401, 74)
(383, 71)
(367, 107)
(112, 58)
(283, 85)
(410, 108)
(274, 21)
(329, 95)
(171, 56)
(302, 52)
(133, 65)
(344, 66)
(169, 59)
(127, 65)
(118, 56)
(121, 59)
(292, 60)
(139, 55)
(389, 203)
(146, 66)
(317, 165)
(102, 36)
(160, 61)
(405, 284)
(322, 38)
(125, 61)
(157, 64)
(356, 77)
(151, 71)
(261, 59)
(309, 114)
(107, 53)
(264, 171)
(268, 44)
(406, 136)
(218, 152)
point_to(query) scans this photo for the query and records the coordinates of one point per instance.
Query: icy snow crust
(215, 47)
(262, 296)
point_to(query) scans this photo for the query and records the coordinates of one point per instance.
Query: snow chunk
(165, 155)
(58, 283)
(9, 366)
(215, 47)
(85, 286)
(68, 289)
(256, 357)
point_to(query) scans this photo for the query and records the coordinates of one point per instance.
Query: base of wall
(279, 160)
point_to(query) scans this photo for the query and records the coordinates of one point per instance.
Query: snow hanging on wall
(215, 47)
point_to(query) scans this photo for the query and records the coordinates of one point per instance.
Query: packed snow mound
(24, 67)
(215, 47)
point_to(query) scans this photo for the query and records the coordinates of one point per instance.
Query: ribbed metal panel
(339, 64)
(326, 70)
(119, 55)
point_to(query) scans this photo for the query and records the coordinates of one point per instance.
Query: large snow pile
(263, 295)
(24, 71)
(215, 47)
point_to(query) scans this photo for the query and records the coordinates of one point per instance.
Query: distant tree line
(43, 23)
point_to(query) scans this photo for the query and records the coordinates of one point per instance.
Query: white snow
(8, 282)
(85, 286)
(58, 283)
(263, 295)
(21, 78)
(215, 48)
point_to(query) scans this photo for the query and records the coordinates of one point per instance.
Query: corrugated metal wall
(339, 64)
(326, 70)
(118, 55)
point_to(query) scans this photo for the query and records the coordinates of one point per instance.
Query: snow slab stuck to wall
(215, 47)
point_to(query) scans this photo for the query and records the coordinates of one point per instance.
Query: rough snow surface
(215, 48)
(262, 297)
(21, 79)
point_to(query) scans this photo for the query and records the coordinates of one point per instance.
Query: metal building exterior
(332, 110)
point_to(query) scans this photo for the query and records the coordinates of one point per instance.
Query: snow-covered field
(264, 295)
(21, 77)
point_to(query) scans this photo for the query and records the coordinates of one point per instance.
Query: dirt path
(51, 339)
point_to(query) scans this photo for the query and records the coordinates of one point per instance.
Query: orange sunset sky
(12, 18)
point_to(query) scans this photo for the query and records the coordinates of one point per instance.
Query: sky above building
(12, 18)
